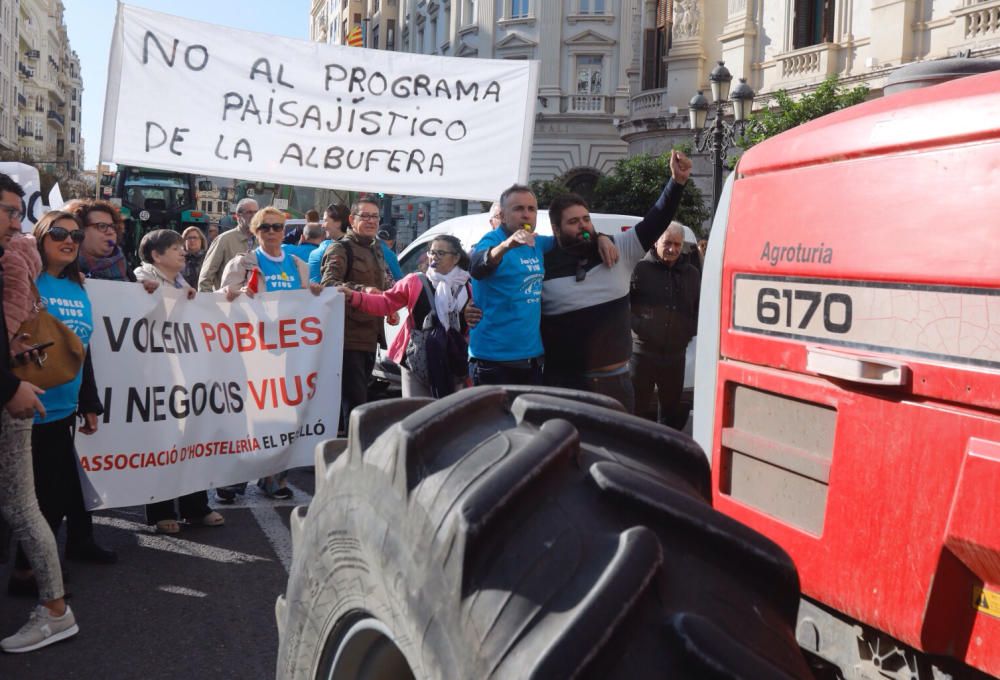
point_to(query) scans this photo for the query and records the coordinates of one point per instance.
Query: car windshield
(155, 197)
(415, 260)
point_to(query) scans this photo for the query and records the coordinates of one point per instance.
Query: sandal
(168, 526)
(212, 519)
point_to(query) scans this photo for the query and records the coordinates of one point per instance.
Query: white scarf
(450, 294)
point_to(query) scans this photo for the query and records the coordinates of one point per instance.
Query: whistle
(527, 227)
(586, 236)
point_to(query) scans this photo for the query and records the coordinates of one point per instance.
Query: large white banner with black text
(203, 392)
(195, 97)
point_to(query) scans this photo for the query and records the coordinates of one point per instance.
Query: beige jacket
(238, 269)
(223, 249)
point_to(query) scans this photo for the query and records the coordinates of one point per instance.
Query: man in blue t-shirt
(507, 268)
(312, 235)
(505, 347)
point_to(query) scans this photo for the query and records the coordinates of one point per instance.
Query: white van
(470, 229)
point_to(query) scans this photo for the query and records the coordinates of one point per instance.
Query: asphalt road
(198, 605)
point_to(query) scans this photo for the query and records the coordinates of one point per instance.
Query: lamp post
(721, 136)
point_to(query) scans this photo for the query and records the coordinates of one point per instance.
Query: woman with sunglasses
(448, 276)
(266, 269)
(57, 483)
(101, 256)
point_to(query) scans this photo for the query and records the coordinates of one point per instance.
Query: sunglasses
(439, 253)
(271, 227)
(59, 234)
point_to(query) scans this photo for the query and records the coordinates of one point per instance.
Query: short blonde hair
(264, 213)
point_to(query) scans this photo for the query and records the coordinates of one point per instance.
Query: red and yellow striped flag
(354, 37)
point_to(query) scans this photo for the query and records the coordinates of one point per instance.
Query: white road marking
(278, 535)
(146, 539)
(181, 590)
(263, 509)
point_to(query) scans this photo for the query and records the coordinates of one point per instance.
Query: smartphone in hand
(22, 357)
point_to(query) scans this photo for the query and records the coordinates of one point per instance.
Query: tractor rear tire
(516, 532)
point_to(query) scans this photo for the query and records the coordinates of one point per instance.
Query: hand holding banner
(203, 392)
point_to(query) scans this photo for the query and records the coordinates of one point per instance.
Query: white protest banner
(31, 204)
(203, 392)
(194, 97)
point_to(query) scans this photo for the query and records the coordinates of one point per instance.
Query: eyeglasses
(440, 253)
(367, 216)
(192, 237)
(246, 212)
(270, 227)
(12, 213)
(102, 226)
(59, 234)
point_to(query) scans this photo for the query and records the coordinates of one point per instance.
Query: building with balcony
(583, 84)
(74, 145)
(8, 75)
(49, 87)
(780, 44)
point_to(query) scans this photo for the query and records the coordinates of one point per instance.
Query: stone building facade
(41, 87)
(781, 44)
(583, 84)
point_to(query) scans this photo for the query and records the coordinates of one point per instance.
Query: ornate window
(589, 74)
(656, 42)
(812, 22)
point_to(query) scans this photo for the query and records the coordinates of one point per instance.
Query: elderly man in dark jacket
(664, 296)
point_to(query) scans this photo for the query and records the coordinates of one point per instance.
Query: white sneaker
(41, 630)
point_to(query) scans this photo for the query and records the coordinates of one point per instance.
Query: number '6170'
(780, 307)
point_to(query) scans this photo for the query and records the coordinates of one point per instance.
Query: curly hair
(96, 205)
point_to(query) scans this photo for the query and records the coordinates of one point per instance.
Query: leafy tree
(546, 190)
(830, 96)
(635, 184)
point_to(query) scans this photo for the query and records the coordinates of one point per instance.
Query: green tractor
(155, 199)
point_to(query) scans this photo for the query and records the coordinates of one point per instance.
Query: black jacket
(664, 306)
(8, 381)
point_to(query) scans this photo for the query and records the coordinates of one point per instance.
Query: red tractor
(848, 377)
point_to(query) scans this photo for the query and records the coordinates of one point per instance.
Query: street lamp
(721, 136)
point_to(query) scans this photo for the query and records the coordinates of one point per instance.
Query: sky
(90, 23)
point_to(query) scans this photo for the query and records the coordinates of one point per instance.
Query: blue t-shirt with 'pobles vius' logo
(67, 301)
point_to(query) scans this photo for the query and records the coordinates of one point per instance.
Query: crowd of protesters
(579, 309)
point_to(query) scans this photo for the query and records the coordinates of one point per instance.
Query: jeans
(615, 384)
(484, 372)
(57, 484)
(19, 507)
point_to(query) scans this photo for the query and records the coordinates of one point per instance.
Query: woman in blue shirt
(266, 269)
(57, 482)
